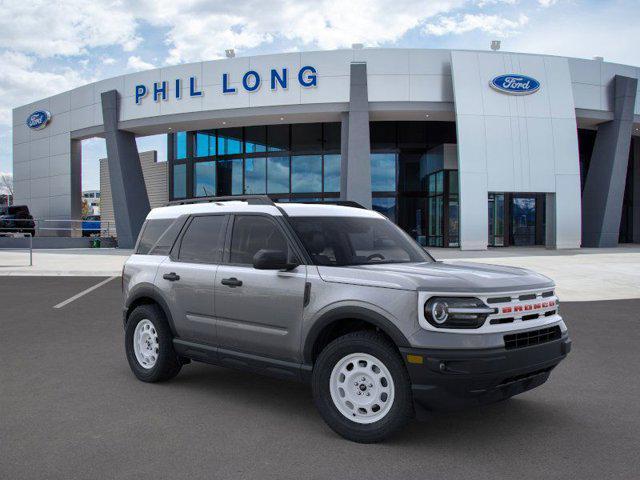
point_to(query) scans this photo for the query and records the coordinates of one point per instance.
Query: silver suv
(340, 297)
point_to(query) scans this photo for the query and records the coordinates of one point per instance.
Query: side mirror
(272, 260)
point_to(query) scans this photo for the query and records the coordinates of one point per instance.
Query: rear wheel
(149, 345)
(361, 387)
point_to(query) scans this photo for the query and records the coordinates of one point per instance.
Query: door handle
(172, 277)
(231, 282)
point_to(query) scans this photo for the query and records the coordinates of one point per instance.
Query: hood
(438, 277)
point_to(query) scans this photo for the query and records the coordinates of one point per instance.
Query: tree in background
(86, 209)
(6, 188)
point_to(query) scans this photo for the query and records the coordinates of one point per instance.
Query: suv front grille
(534, 337)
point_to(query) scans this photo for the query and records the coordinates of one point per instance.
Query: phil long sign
(515, 84)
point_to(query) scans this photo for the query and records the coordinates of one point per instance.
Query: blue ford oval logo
(515, 84)
(38, 119)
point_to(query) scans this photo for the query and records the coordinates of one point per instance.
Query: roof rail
(340, 203)
(250, 199)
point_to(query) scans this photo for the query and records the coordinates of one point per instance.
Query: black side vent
(534, 337)
(547, 294)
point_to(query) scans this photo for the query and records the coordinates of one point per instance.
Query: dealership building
(464, 149)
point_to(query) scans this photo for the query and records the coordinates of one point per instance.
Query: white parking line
(84, 292)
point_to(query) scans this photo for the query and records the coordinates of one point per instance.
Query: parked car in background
(91, 225)
(17, 219)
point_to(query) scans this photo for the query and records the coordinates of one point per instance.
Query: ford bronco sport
(339, 297)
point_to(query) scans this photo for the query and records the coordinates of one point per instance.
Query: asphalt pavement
(71, 409)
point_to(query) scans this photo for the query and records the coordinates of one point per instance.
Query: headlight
(456, 312)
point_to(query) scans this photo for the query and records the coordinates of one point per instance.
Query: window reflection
(205, 144)
(204, 179)
(255, 176)
(180, 180)
(181, 145)
(383, 172)
(386, 206)
(332, 173)
(306, 173)
(229, 141)
(278, 175)
(230, 177)
(255, 139)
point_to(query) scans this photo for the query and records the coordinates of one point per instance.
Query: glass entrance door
(523, 220)
(496, 220)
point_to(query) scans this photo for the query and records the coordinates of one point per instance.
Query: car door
(259, 311)
(187, 277)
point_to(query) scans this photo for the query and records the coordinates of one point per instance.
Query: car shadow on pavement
(515, 419)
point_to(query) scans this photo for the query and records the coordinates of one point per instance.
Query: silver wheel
(145, 344)
(361, 388)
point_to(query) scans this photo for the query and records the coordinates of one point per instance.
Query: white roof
(292, 209)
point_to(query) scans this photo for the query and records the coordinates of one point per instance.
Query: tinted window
(204, 179)
(180, 180)
(255, 175)
(203, 240)
(205, 144)
(252, 233)
(151, 233)
(229, 141)
(230, 177)
(341, 241)
(278, 175)
(306, 137)
(332, 173)
(255, 139)
(181, 145)
(306, 173)
(383, 172)
(168, 238)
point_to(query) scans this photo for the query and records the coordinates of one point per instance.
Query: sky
(49, 47)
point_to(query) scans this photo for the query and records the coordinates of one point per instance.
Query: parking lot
(70, 408)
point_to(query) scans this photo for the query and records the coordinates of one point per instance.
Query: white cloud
(547, 3)
(109, 60)
(17, 85)
(136, 63)
(46, 29)
(491, 24)
(204, 30)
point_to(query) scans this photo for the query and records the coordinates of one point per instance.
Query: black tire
(378, 346)
(168, 363)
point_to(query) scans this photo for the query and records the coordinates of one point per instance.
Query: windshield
(342, 241)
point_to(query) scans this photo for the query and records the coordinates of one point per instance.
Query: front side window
(203, 240)
(347, 241)
(252, 233)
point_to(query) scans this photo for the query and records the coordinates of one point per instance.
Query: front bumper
(449, 379)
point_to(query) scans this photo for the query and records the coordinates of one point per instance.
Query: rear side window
(203, 240)
(153, 229)
(252, 233)
(168, 238)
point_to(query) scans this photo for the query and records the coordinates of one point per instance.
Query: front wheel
(361, 387)
(149, 345)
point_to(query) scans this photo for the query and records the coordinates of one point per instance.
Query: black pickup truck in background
(17, 219)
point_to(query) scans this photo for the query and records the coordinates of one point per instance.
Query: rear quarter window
(151, 233)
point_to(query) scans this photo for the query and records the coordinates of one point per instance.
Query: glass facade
(410, 182)
(287, 162)
(411, 185)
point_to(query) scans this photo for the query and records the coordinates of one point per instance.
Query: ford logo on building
(38, 119)
(515, 84)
